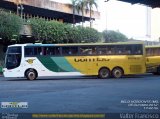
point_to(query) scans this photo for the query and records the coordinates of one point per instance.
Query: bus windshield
(13, 57)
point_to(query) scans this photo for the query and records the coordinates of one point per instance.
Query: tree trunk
(74, 21)
(82, 18)
(90, 17)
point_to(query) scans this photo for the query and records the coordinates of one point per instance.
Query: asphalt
(82, 94)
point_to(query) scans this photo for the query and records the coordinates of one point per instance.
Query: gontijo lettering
(90, 59)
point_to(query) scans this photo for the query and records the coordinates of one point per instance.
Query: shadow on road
(127, 77)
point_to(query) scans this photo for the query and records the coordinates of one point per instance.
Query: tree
(56, 32)
(74, 2)
(88, 35)
(81, 8)
(10, 26)
(89, 5)
(113, 36)
(17, 2)
(39, 29)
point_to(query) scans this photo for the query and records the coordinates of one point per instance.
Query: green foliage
(46, 31)
(113, 36)
(39, 28)
(88, 35)
(56, 32)
(10, 25)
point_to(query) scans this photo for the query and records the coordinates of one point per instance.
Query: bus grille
(135, 68)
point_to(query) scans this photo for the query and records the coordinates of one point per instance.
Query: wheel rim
(31, 75)
(104, 73)
(117, 73)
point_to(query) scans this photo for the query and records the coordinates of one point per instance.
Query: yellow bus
(153, 59)
(103, 60)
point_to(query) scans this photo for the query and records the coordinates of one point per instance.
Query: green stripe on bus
(63, 64)
(50, 64)
(56, 64)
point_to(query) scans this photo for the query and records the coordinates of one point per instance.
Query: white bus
(104, 60)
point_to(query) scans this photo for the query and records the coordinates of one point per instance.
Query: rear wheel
(155, 73)
(104, 73)
(158, 70)
(31, 74)
(117, 72)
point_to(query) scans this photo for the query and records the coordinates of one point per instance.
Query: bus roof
(153, 46)
(78, 44)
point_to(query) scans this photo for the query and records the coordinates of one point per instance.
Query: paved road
(82, 94)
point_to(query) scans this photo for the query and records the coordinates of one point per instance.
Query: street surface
(82, 94)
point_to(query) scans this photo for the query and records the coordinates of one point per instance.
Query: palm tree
(81, 7)
(74, 7)
(17, 2)
(90, 4)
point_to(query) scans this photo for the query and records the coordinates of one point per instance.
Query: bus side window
(109, 52)
(102, 50)
(70, 50)
(137, 49)
(128, 52)
(57, 51)
(119, 49)
(83, 50)
(39, 51)
(94, 50)
(65, 50)
(148, 52)
(73, 51)
(158, 51)
(29, 51)
(47, 50)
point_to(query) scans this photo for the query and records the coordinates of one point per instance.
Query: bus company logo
(91, 60)
(14, 104)
(30, 61)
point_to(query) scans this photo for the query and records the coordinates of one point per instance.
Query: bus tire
(158, 70)
(117, 72)
(155, 73)
(31, 74)
(104, 73)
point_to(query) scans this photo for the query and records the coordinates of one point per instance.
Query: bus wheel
(117, 72)
(155, 73)
(104, 73)
(158, 70)
(31, 74)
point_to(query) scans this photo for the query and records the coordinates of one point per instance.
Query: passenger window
(52, 50)
(29, 51)
(138, 50)
(102, 50)
(70, 50)
(111, 50)
(88, 50)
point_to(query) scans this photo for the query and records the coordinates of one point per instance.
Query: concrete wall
(55, 6)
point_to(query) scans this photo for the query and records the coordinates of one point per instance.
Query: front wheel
(104, 73)
(117, 72)
(31, 75)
